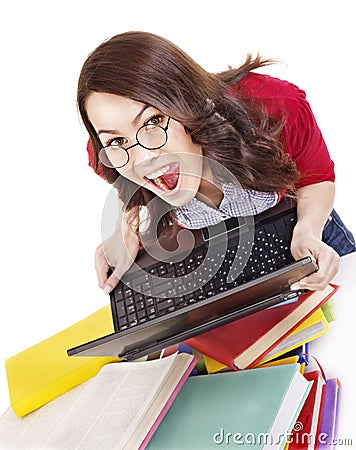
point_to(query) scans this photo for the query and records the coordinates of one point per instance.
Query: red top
(302, 137)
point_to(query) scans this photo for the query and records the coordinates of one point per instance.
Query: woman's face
(173, 172)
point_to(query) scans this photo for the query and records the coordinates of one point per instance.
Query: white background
(51, 201)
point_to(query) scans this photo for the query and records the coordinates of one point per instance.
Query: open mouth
(165, 178)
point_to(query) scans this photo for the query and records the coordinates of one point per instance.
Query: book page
(30, 432)
(296, 339)
(93, 416)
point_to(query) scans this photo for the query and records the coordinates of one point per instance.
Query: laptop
(200, 280)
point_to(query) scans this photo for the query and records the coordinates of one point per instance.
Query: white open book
(119, 408)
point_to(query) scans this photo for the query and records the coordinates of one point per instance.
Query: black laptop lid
(157, 334)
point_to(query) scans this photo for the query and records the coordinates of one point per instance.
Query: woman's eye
(155, 120)
(116, 142)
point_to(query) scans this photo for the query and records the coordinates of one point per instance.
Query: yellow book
(313, 327)
(279, 362)
(43, 372)
(287, 360)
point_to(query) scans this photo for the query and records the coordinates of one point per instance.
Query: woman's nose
(142, 156)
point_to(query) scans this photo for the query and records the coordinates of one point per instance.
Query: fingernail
(107, 289)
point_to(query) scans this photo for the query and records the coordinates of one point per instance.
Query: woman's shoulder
(266, 86)
(277, 95)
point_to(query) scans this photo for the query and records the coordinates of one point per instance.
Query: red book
(306, 430)
(244, 342)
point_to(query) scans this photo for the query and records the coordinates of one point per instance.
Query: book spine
(169, 403)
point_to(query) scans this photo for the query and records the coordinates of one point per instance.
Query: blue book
(252, 408)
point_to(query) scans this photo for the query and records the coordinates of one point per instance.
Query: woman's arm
(315, 202)
(118, 251)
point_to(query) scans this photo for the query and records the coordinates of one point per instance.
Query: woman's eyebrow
(108, 132)
(138, 117)
(134, 121)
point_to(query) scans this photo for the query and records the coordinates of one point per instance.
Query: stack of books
(267, 334)
(253, 387)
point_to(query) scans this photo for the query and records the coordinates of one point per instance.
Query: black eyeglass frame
(165, 128)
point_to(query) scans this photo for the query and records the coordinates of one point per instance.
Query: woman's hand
(118, 251)
(306, 243)
(315, 201)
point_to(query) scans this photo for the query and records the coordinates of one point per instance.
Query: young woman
(160, 127)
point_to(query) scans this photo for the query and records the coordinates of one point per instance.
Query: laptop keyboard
(137, 300)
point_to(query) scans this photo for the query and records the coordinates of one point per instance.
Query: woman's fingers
(328, 264)
(111, 283)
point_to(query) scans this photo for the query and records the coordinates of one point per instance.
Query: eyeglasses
(149, 136)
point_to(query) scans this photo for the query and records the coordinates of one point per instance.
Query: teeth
(158, 173)
(159, 183)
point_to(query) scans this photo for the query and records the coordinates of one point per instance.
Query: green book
(252, 409)
(329, 310)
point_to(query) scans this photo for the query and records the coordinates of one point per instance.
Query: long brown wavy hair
(237, 133)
